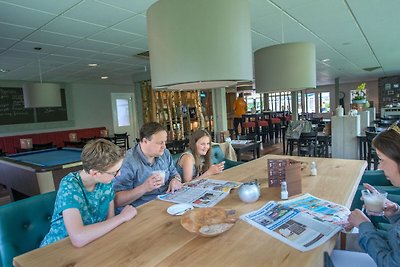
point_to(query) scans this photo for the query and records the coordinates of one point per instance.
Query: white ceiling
(352, 34)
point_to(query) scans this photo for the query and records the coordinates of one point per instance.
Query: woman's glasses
(113, 173)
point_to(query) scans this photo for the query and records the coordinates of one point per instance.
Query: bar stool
(275, 128)
(249, 127)
(263, 127)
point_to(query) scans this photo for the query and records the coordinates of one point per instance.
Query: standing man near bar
(239, 109)
(140, 180)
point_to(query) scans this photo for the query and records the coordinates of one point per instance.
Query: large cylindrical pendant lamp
(38, 95)
(199, 44)
(285, 67)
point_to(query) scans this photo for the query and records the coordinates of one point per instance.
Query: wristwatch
(177, 177)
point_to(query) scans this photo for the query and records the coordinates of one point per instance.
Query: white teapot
(249, 192)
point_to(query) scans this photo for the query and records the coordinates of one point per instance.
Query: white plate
(179, 209)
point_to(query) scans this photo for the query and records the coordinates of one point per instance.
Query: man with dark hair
(140, 180)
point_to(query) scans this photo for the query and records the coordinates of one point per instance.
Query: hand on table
(357, 217)
(174, 185)
(216, 168)
(128, 212)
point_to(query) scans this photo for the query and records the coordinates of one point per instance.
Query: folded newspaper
(304, 222)
(201, 193)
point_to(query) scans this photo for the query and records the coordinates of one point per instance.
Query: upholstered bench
(23, 225)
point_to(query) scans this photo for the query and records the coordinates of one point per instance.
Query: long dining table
(155, 238)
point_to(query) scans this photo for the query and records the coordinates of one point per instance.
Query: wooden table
(155, 238)
(252, 146)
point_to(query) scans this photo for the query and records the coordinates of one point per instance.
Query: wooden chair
(122, 140)
(307, 144)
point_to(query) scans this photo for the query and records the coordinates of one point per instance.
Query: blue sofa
(217, 156)
(23, 225)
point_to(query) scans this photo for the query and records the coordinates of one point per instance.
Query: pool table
(36, 172)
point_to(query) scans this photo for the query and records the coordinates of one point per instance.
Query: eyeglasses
(113, 173)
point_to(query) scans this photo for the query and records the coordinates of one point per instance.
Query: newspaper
(304, 222)
(241, 142)
(201, 193)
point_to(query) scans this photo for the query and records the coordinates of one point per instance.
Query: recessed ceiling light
(92, 65)
(104, 77)
(325, 60)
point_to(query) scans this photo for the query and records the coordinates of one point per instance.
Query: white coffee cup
(374, 202)
(161, 175)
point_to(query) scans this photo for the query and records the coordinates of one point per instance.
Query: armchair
(23, 225)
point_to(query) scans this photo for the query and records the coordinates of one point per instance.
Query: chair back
(23, 225)
(307, 144)
(177, 146)
(42, 146)
(122, 140)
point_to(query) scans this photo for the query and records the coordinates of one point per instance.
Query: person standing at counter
(195, 163)
(239, 109)
(84, 207)
(384, 250)
(140, 180)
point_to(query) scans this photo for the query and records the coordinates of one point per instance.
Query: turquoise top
(93, 206)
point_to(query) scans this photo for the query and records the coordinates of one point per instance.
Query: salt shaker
(313, 169)
(284, 192)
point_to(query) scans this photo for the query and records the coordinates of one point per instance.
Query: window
(123, 112)
(253, 101)
(310, 102)
(325, 102)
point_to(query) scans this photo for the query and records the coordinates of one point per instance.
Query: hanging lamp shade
(37, 95)
(285, 67)
(199, 44)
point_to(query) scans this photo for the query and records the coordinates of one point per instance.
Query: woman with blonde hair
(195, 163)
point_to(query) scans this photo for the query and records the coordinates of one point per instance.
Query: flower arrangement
(361, 93)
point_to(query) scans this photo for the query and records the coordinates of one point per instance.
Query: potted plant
(361, 95)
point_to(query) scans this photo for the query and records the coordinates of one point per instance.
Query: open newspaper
(201, 193)
(304, 222)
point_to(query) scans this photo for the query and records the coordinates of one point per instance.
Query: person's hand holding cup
(160, 176)
(374, 201)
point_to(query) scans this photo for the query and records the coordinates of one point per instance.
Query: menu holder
(104, 133)
(26, 143)
(285, 170)
(73, 137)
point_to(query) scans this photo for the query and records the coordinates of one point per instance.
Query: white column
(220, 117)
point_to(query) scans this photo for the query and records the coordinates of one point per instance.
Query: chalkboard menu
(12, 110)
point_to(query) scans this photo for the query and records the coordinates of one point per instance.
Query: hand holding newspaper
(304, 222)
